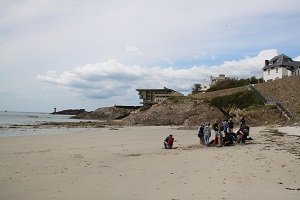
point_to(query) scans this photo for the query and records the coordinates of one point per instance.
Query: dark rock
(69, 112)
(107, 113)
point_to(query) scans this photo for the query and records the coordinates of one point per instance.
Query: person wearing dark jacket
(168, 143)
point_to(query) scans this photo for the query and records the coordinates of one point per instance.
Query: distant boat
(5, 111)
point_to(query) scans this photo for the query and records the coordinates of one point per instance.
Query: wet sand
(130, 163)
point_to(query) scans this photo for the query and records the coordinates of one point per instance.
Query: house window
(276, 69)
(268, 71)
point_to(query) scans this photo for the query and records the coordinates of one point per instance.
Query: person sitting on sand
(242, 133)
(168, 143)
(228, 139)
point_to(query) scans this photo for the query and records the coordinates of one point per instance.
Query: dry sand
(129, 163)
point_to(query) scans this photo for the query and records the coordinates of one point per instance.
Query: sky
(72, 54)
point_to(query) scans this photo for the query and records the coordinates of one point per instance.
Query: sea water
(31, 118)
(8, 120)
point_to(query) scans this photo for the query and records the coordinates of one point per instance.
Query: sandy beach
(130, 163)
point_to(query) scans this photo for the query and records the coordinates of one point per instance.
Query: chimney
(266, 62)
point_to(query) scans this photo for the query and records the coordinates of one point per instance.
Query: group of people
(223, 132)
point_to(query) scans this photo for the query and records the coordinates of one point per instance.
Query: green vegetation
(232, 83)
(180, 99)
(270, 107)
(239, 100)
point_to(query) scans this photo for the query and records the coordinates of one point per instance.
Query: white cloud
(297, 58)
(95, 30)
(112, 78)
(168, 61)
(134, 51)
(145, 38)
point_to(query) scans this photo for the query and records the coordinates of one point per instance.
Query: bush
(271, 107)
(239, 100)
(232, 83)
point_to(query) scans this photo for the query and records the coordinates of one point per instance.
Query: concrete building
(155, 96)
(280, 66)
(215, 80)
(204, 86)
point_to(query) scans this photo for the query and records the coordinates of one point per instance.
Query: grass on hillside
(241, 100)
(233, 82)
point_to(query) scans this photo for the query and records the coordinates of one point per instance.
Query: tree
(253, 80)
(196, 88)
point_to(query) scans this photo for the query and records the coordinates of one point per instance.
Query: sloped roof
(282, 61)
(280, 58)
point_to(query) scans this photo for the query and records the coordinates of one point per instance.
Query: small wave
(33, 116)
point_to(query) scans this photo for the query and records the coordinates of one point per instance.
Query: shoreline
(285, 129)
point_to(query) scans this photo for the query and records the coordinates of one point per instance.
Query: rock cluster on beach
(106, 113)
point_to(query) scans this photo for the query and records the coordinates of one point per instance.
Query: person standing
(207, 134)
(226, 126)
(215, 127)
(242, 122)
(201, 133)
(230, 126)
(221, 134)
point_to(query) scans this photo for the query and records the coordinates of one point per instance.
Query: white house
(296, 72)
(279, 67)
(205, 86)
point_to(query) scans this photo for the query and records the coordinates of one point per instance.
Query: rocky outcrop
(106, 113)
(261, 116)
(193, 110)
(69, 112)
(184, 111)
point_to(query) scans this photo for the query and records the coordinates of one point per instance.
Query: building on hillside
(200, 87)
(204, 86)
(279, 67)
(215, 80)
(155, 96)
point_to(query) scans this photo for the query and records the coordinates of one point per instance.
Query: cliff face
(194, 112)
(183, 111)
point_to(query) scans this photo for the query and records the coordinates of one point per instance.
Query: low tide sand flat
(130, 163)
